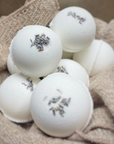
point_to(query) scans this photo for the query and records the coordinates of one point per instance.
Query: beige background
(103, 9)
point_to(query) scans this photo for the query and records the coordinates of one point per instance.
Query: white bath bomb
(61, 104)
(74, 69)
(75, 27)
(67, 55)
(15, 97)
(12, 68)
(36, 50)
(97, 57)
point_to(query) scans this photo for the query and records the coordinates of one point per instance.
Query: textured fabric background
(101, 128)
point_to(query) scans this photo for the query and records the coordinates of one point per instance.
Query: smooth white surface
(75, 70)
(97, 57)
(28, 59)
(15, 98)
(12, 68)
(77, 115)
(73, 35)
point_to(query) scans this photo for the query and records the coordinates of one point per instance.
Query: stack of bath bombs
(34, 52)
(76, 30)
(60, 103)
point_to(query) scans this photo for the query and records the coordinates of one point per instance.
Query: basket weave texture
(101, 128)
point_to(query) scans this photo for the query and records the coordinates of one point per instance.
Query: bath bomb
(97, 57)
(75, 27)
(67, 55)
(15, 97)
(61, 104)
(36, 50)
(74, 69)
(12, 68)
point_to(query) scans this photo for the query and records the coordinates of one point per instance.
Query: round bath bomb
(67, 55)
(61, 104)
(12, 68)
(36, 50)
(15, 97)
(75, 27)
(97, 57)
(74, 69)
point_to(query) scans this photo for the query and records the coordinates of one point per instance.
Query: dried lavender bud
(54, 101)
(49, 102)
(57, 108)
(69, 13)
(74, 15)
(69, 100)
(63, 100)
(66, 104)
(30, 84)
(80, 19)
(53, 112)
(36, 36)
(40, 41)
(48, 38)
(51, 108)
(45, 97)
(61, 106)
(41, 49)
(61, 113)
(62, 69)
